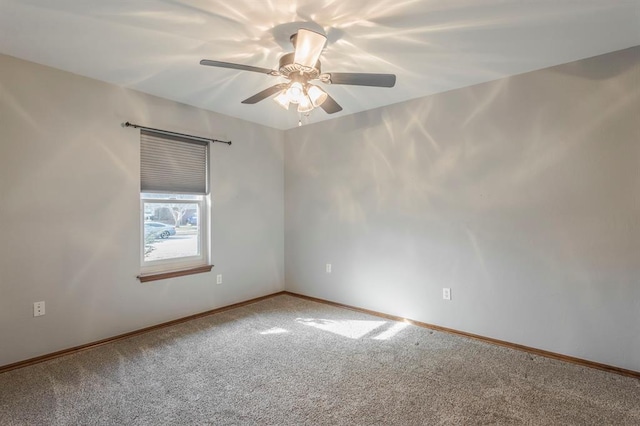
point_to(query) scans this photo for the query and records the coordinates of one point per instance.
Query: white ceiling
(155, 46)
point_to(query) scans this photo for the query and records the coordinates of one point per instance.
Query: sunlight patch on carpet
(391, 331)
(275, 330)
(353, 329)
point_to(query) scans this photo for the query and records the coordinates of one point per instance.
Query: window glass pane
(171, 230)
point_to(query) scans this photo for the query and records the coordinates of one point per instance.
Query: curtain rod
(167, 132)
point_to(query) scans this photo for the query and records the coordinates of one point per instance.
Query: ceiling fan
(301, 67)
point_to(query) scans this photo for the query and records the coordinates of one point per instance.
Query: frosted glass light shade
(282, 99)
(309, 45)
(295, 92)
(316, 95)
(305, 104)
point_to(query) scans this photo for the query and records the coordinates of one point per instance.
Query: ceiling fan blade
(330, 106)
(241, 67)
(309, 45)
(265, 94)
(362, 79)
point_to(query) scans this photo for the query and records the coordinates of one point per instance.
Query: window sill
(173, 274)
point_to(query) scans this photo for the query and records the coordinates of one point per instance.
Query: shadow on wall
(627, 61)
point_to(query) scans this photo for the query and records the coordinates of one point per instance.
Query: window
(174, 205)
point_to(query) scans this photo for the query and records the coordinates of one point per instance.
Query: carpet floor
(289, 361)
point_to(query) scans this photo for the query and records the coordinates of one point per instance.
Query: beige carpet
(288, 361)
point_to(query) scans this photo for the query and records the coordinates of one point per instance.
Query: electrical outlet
(328, 268)
(38, 309)
(446, 293)
(219, 279)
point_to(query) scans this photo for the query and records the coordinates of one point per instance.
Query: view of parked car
(188, 212)
(160, 230)
(193, 219)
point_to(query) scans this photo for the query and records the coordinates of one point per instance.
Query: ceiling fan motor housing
(288, 68)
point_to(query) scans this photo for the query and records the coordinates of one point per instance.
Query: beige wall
(522, 195)
(69, 206)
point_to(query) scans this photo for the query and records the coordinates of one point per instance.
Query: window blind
(173, 164)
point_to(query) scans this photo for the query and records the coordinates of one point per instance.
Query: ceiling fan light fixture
(298, 69)
(305, 104)
(295, 92)
(316, 95)
(283, 100)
